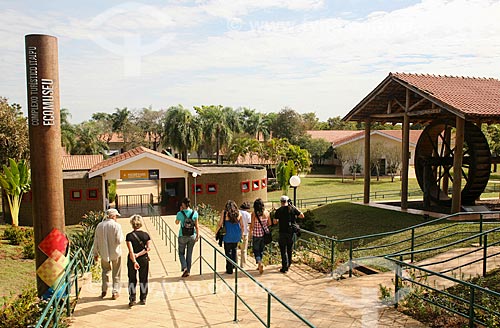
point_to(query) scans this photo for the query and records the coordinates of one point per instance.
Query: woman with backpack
(231, 220)
(259, 225)
(188, 234)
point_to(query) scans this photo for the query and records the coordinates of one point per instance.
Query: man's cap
(284, 199)
(245, 206)
(113, 211)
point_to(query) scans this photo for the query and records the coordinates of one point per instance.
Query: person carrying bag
(259, 231)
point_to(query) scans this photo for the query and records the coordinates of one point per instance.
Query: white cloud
(325, 65)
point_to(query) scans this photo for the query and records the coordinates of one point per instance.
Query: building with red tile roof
(446, 105)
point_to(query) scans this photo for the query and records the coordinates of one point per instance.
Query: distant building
(339, 138)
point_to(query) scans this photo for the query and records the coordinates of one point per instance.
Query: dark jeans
(143, 278)
(286, 247)
(258, 248)
(231, 252)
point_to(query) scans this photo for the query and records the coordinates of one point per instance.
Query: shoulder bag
(268, 237)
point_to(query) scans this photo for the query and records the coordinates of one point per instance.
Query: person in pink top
(260, 223)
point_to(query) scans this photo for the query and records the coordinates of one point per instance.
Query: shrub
(29, 249)
(208, 216)
(84, 238)
(22, 310)
(18, 235)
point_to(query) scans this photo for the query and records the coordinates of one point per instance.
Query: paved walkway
(190, 302)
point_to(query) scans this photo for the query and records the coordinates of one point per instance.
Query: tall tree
(88, 139)
(103, 123)
(311, 121)
(14, 140)
(68, 137)
(151, 123)
(120, 117)
(289, 124)
(219, 125)
(336, 123)
(182, 130)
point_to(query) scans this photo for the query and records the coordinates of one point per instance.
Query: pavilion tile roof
(431, 97)
(80, 162)
(470, 95)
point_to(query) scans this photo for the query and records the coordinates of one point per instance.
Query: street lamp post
(294, 183)
(194, 174)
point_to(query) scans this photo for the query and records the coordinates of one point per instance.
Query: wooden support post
(456, 201)
(406, 154)
(367, 171)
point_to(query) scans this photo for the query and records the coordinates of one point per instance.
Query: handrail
(60, 299)
(166, 233)
(270, 294)
(408, 242)
(303, 202)
(469, 304)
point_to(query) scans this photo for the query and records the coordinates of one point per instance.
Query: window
(245, 186)
(263, 183)
(212, 188)
(255, 184)
(92, 194)
(75, 194)
(198, 188)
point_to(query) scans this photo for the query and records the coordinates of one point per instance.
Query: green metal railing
(59, 305)
(382, 194)
(472, 307)
(405, 240)
(237, 269)
(166, 233)
(412, 238)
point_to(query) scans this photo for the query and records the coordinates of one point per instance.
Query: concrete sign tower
(42, 77)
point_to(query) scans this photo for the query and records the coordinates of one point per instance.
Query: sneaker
(185, 273)
(115, 296)
(261, 268)
(103, 294)
(142, 302)
(283, 270)
(131, 303)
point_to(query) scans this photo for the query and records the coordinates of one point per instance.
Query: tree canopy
(14, 139)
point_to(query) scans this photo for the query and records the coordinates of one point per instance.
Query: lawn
(17, 273)
(333, 186)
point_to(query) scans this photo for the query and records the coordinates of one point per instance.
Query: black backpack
(188, 226)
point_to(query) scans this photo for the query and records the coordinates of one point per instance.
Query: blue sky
(309, 55)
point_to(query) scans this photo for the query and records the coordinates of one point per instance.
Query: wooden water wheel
(434, 156)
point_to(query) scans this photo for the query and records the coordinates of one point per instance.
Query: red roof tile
(80, 162)
(470, 95)
(132, 153)
(337, 137)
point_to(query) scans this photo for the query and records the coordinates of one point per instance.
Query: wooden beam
(456, 201)
(405, 155)
(422, 112)
(367, 171)
(416, 104)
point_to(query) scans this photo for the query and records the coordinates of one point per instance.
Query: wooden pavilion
(443, 103)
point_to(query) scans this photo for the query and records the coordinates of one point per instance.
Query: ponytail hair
(258, 207)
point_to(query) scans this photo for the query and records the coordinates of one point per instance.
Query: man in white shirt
(246, 218)
(107, 245)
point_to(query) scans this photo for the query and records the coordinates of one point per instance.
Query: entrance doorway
(172, 192)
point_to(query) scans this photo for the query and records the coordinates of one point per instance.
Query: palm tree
(182, 130)
(219, 124)
(67, 131)
(260, 125)
(88, 141)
